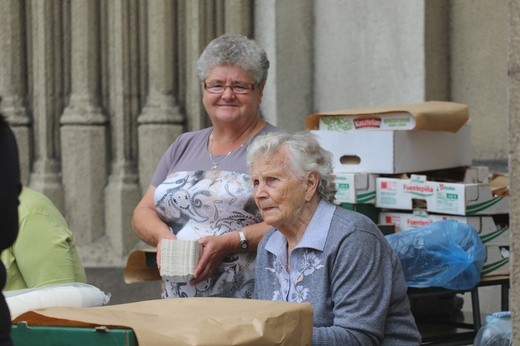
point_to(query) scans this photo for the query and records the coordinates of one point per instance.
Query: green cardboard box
(23, 334)
(369, 210)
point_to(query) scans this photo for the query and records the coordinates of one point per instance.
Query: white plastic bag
(64, 295)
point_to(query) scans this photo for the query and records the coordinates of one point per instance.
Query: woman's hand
(214, 249)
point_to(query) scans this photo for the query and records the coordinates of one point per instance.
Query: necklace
(251, 130)
(216, 164)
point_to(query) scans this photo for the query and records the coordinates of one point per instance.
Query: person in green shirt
(44, 252)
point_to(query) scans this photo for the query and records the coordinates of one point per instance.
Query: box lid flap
(429, 115)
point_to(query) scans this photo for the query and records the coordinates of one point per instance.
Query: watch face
(243, 245)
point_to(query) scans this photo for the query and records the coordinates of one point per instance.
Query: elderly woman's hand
(214, 249)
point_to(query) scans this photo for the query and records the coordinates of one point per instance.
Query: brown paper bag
(192, 321)
(141, 265)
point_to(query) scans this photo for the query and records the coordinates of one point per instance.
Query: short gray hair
(234, 50)
(304, 155)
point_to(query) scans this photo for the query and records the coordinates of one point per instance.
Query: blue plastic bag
(447, 254)
(496, 330)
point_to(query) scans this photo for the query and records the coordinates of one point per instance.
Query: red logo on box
(372, 122)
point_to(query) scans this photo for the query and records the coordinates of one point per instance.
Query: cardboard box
(465, 174)
(141, 265)
(360, 188)
(22, 334)
(369, 210)
(390, 152)
(497, 261)
(429, 115)
(462, 174)
(439, 197)
(492, 230)
(355, 188)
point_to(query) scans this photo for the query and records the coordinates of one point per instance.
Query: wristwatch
(244, 244)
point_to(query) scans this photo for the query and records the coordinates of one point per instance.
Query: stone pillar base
(84, 167)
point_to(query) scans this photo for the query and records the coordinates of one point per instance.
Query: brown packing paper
(499, 184)
(192, 321)
(429, 115)
(141, 265)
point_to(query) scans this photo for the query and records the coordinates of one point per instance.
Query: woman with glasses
(201, 189)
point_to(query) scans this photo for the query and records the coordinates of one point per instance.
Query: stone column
(436, 47)
(46, 58)
(284, 29)
(199, 32)
(239, 16)
(13, 84)
(83, 131)
(161, 120)
(514, 160)
(123, 191)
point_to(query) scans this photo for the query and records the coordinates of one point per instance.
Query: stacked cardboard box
(410, 165)
(418, 201)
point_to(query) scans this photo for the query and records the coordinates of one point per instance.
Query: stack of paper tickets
(179, 258)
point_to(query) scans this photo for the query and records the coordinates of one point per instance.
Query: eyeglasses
(237, 88)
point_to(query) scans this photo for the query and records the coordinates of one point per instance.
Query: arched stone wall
(95, 91)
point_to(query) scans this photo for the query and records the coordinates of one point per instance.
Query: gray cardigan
(345, 268)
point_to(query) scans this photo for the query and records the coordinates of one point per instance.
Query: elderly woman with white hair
(333, 258)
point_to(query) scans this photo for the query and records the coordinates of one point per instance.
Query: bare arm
(255, 233)
(145, 221)
(147, 224)
(215, 248)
